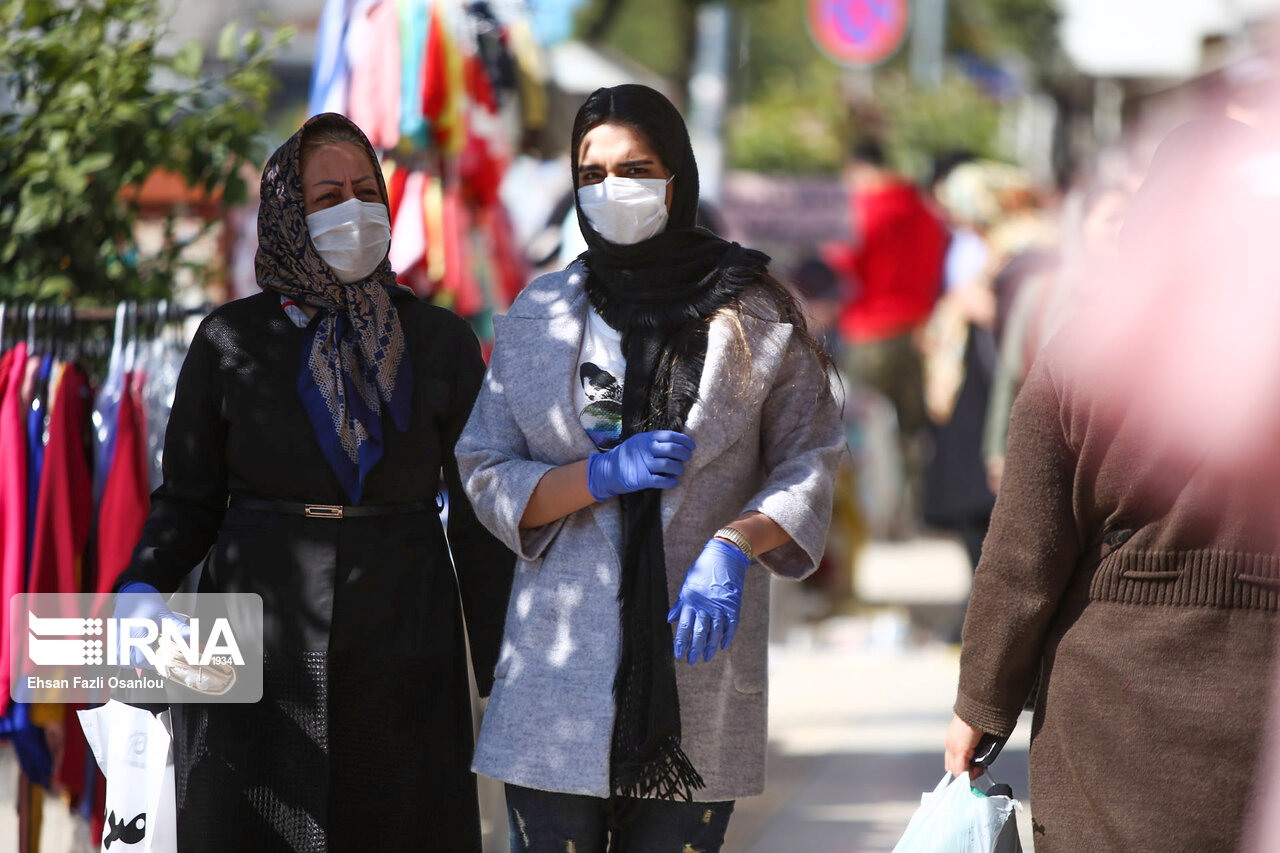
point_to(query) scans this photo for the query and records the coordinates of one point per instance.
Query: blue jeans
(549, 822)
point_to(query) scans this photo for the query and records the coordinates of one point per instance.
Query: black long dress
(363, 738)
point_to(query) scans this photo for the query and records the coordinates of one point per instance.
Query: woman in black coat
(333, 387)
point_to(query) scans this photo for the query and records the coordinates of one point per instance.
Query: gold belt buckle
(323, 511)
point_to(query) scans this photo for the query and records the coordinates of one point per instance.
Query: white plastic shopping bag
(958, 816)
(134, 750)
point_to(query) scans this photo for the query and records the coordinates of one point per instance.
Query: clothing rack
(82, 329)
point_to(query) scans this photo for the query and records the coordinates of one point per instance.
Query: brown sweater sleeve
(1027, 561)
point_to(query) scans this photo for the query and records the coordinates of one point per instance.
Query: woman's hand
(138, 600)
(962, 739)
(647, 460)
(710, 601)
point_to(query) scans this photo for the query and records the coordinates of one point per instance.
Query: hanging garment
(409, 233)
(125, 499)
(330, 71)
(395, 177)
(413, 39)
(37, 410)
(163, 362)
(63, 516)
(374, 49)
(13, 502)
(106, 408)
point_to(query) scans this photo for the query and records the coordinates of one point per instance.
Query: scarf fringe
(670, 775)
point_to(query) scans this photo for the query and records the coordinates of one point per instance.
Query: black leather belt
(333, 510)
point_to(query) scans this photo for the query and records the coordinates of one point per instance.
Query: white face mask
(626, 210)
(352, 237)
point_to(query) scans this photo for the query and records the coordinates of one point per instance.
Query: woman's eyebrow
(628, 163)
(332, 183)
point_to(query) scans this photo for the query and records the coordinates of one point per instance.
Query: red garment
(395, 192)
(896, 271)
(125, 498)
(509, 262)
(459, 276)
(64, 513)
(435, 82)
(13, 502)
(64, 510)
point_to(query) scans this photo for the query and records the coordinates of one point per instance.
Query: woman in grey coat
(656, 429)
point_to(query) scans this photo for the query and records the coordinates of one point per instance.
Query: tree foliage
(796, 110)
(90, 105)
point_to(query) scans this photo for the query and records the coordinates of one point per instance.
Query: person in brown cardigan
(1132, 559)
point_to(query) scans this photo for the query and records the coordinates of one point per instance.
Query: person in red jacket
(892, 272)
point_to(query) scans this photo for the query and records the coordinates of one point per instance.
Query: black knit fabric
(362, 739)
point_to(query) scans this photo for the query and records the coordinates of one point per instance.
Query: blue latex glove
(139, 600)
(710, 601)
(647, 460)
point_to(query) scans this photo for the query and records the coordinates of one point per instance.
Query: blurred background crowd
(944, 182)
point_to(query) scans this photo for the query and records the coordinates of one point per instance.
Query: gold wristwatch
(735, 537)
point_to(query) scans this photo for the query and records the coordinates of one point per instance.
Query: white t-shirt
(597, 387)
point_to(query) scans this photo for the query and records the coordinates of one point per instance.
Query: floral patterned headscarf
(355, 363)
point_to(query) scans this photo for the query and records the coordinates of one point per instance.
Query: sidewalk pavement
(856, 733)
(859, 707)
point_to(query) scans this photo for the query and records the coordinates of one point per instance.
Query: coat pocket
(750, 667)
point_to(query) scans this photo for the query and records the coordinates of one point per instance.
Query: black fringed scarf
(661, 294)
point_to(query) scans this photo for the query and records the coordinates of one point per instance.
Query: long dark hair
(649, 113)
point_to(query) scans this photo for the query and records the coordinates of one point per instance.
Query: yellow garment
(531, 73)
(433, 213)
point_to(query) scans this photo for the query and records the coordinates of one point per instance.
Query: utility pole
(928, 41)
(709, 96)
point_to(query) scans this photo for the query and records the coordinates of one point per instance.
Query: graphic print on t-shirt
(602, 416)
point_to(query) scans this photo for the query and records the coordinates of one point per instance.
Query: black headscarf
(356, 362)
(661, 294)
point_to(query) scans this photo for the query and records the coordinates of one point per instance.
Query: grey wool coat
(768, 438)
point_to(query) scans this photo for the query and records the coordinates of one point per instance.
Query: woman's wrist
(736, 538)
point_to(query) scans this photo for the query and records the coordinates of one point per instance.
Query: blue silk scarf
(355, 363)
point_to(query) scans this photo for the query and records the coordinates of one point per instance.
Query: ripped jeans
(549, 822)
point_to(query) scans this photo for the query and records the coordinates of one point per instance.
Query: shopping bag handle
(988, 748)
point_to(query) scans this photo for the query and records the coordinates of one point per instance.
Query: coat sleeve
(187, 509)
(483, 564)
(496, 469)
(802, 440)
(1028, 559)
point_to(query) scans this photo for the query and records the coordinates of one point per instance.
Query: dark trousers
(550, 822)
